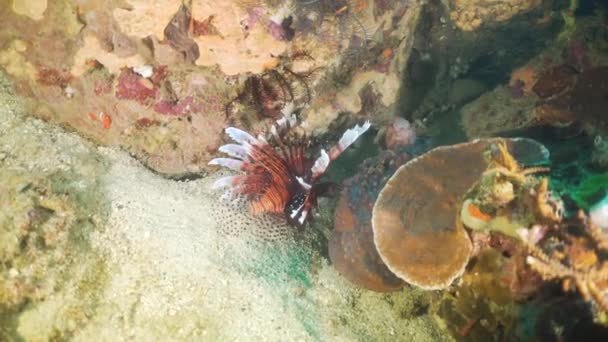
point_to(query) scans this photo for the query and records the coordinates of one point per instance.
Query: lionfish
(279, 177)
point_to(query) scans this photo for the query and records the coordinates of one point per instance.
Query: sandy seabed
(159, 264)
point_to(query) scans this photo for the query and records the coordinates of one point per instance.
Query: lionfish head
(295, 210)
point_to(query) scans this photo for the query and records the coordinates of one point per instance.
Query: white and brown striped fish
(278, 177)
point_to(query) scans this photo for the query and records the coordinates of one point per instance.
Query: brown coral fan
(577, 261)
(416, 230)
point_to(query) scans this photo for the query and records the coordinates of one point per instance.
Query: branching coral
(507, 196)
(504, 164)
(578, 263)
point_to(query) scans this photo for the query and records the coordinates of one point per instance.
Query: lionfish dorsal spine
(347, 139)
(320, 165)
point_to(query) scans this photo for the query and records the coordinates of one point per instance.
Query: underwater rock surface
(162, 79)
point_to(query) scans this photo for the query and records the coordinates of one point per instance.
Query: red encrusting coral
(132, 86)
(145, 123)
(158, 75)
(101, 87)
(182, 107)
(53, 77)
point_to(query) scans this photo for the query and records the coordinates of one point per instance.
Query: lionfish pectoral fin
(235, 151)
(229, 163)
(241, 136)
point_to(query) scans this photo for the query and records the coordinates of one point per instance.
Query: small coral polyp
(279, 178)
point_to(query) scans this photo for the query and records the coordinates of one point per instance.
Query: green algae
(591, 190)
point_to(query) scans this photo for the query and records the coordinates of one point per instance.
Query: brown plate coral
(415, 221)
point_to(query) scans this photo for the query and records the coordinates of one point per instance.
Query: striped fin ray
(241, 136)
(320, 165)
(228, 182)
(236, 151)
(347, 139)
(229, 163)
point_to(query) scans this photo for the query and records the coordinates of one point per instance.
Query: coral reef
(184, 65)
(495, 112)
(506, 197)
(482, 307)
(133, 255)
(562, 86)
(449, 67)
(417, 209)
(52, 202)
